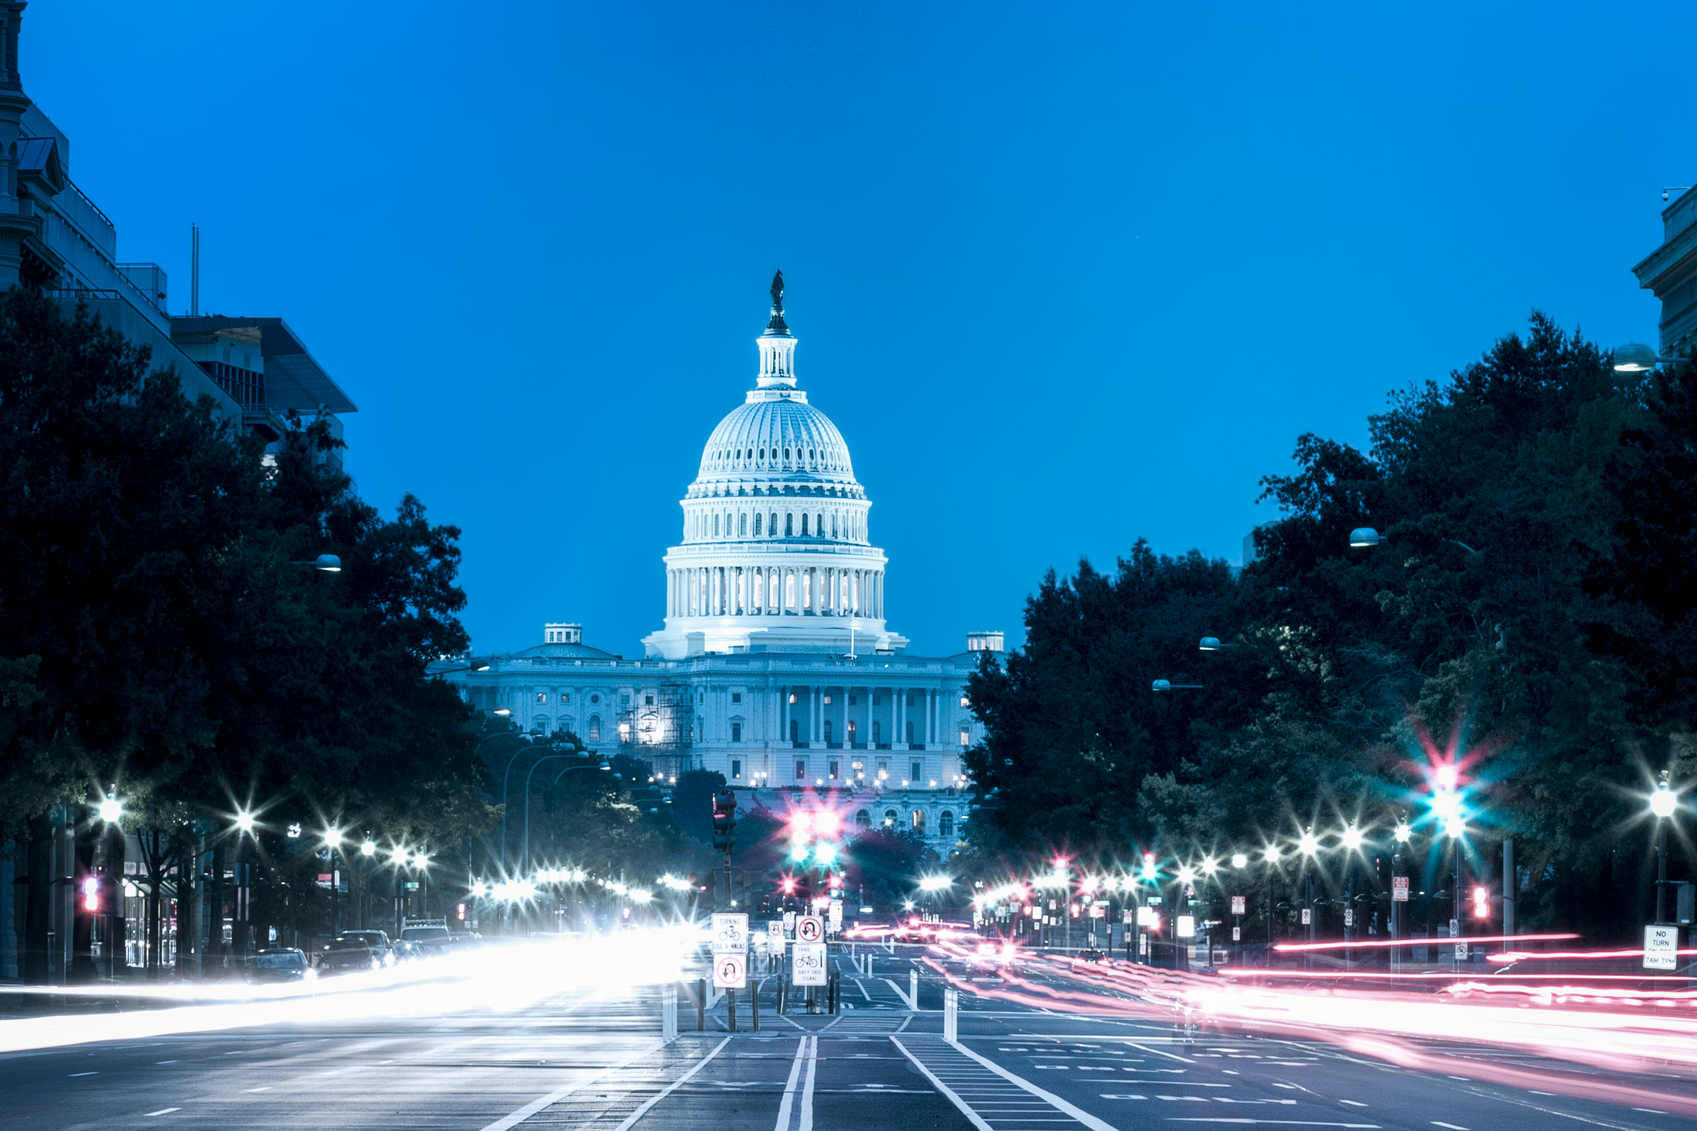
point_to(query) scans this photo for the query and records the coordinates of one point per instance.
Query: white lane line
(74, 1075)
(164, 1062)
(789, 1088)
(1053, 1100)
(901, 993)
(250, 1091)
(530, 1109)
(1451, 1126)
(948, 1093)
(1353, 1103)
(862, 986)
(161, 1111)
(1158, 1052)
(806, 1121)
(1281, 1122)
(670, 1088)
(1651, 1110)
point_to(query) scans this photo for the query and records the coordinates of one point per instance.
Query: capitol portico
(774, 665)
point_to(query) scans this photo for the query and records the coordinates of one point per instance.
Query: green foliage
(1531, 605)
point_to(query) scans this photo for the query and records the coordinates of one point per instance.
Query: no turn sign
(1238, 904)
(809, 929)
(730, 971)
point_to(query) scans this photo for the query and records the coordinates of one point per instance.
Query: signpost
(1661, 948)
(809, 969)
(810, 929)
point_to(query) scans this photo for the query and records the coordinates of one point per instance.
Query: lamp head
(329, 563)
(244, 821)
(1663, 802)
(1239, 860)
(111, 809)
(1352, 838)
(1363, 537)
(1634, 357)
(333, 838)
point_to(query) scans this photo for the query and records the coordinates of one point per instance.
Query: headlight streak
(493, 977)
(1581, 1024)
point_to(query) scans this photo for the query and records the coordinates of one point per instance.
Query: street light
(1167, 685)
(329, 563)
(1239, 860)
(1636, 357)
(1352, 838)
(1363, 537)
(110, 809)
(1663, 803)
(245, 821)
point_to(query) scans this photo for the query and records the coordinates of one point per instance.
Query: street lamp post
(604, 765)
(333, 841)
(1663, 802)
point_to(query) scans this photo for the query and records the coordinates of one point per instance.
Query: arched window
(889, 818)
(772, 586)
(833, 524)
(757, 525)
(919, 820)
(789, 591)
(863, 819)
(789, 525)
(742, 525)
(539, 724)
(819, 525)
(804, 525)
(595, 728)
(715, 526)
(946, 824)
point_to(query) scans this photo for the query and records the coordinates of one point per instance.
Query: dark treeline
(1529, 607)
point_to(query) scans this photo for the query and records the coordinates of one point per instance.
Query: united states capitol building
(775, 664)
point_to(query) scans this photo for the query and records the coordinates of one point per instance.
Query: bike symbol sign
(730, 971)
(730, 933)
(809, 929)
(809, 964)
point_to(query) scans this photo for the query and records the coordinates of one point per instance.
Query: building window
(736, 765)
(595, 698)
(889, 818)
(624, 700)
(565, 698)
(853, 700)
(833, 767)
(910, 700)
(877, 700)
(877, 733)
(742, 526)
(736, 732)
(715, 526)
(542, 697)
(789, 525)
(946, 824)
(648, 700)
(595, 728)
(772, 524)
(919, 820)
(863, 819)
(965, 737)
(851, 730)
(828, 735)
(801, 769)
(910, 732)
(795, 730)
(804, 524)
(827, 700)
(789, 591)
(736, 697)
(757, 525)
(918, 772)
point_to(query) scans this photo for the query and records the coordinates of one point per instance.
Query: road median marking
(530, 1109)
(670, 1088)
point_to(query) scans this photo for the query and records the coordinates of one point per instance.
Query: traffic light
(1481, 903)
(724, 819)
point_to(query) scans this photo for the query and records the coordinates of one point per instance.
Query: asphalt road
(596, 1060)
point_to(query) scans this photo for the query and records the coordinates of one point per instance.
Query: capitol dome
(775, 552)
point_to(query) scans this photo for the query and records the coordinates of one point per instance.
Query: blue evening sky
(1063, 276)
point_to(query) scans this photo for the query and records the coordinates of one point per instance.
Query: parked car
(345, 956)
(285, 964)
(376, 940)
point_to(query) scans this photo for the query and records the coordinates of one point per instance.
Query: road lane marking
(164, 1062)
(1451, 1126)
(789, 1088)
(948, 1093)
(1158, 1052)
(1279, 1122)
(806, 1121)
(1053, 1100)
(75, 1074)
(530, 1109)
(670, 1088)
(1353, 1103)
(250, 1091)
(161, 1111)
(901, 993)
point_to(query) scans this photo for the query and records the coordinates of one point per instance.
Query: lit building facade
(775, 664)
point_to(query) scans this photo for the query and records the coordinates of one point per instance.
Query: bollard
(754, 1005)
(836, 994)
(669, 1013)
(701, 1004)
(913, 988)
(783, 997)
(731, 1009)
(951, 1014)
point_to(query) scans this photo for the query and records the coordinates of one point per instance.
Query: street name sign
(730, 933)
(809, 967)
(730, 971)
(810, 929)
(1661, 948)
(1238, 904)
(1399, 889)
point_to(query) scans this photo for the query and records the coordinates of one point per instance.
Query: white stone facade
(775, 665)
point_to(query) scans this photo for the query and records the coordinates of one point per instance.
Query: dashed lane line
(788, 1101)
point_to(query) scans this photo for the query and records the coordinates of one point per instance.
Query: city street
(597, 1060)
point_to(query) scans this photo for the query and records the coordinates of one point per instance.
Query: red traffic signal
(724, 818)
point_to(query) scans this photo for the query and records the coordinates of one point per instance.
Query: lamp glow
(1403, 833)
(110, 810)
(333, 838)
(1272, 854)
(1309, 844)
(244, 821)
(1663, 802)
(1352, 838)
(1239, 860)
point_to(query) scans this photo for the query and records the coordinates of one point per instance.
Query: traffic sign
(1307, 916)
(1349, 916)
(789, 922)
(1238, 904)
(1399, 889)
(775, 934)
(809, 969)
(1661, 948)
(730, 933)
(836, 915)
(1237, 934)
(730, 971)
(810, 929)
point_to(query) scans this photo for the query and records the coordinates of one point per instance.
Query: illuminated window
(789, 591)
(736, 764)
(965, 737)
(595, 728)
(542, 697)
(919, 820)
(889, 818)
(863, 819)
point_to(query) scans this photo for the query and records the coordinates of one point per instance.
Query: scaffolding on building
(659, 728)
